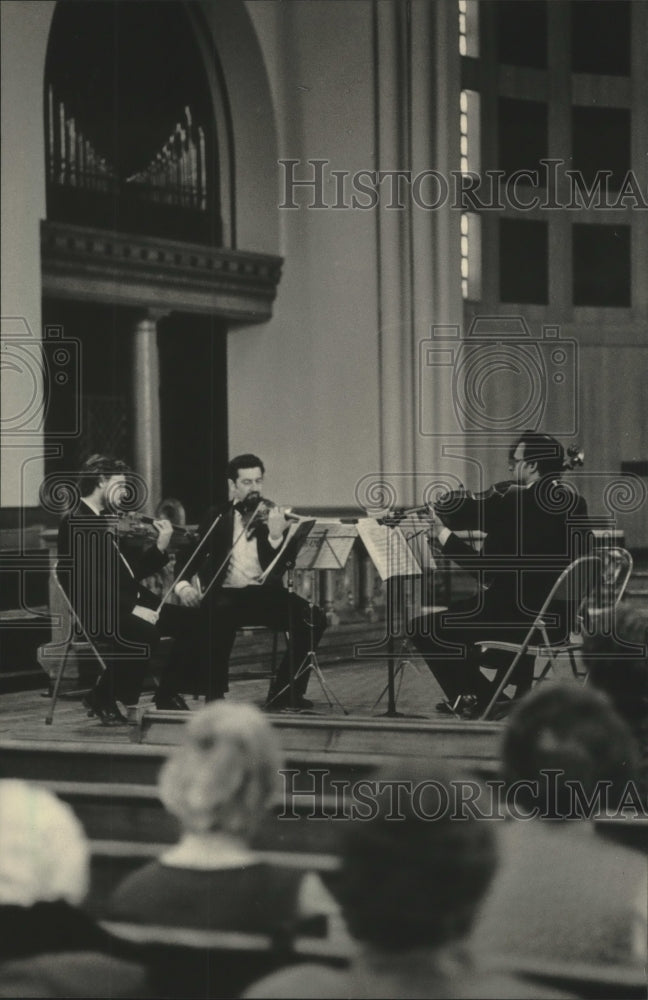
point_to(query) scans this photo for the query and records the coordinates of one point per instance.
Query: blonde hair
(44, 853)
(226, 771)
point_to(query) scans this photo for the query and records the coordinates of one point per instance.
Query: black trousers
(127, 666)
(447, 641)
(230, 608)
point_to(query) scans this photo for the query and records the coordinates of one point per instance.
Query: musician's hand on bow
(433, 523)
(276, 523)
(164, 529)
(188, 595)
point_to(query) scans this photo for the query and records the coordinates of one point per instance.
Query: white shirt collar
(93, 507)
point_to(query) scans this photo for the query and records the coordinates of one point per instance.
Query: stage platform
(79, 746)
(109, 775)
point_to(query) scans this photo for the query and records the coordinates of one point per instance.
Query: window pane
(522, 136)
(601, 141)
(601, 265)
(523, 253)
(522, 33)
(600, 33)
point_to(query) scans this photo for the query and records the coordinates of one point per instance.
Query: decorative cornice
(103, 266)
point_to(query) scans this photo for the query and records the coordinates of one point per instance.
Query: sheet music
(393, 552)
(416, 536)
(297, 531)
(328, 545)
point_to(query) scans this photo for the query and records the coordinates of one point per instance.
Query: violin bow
(195, 552)
(246, 528)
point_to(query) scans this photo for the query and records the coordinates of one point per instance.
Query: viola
(575, 457)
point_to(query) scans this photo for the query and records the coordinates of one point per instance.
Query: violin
(256, 507)
(133, 524)
(574, 458)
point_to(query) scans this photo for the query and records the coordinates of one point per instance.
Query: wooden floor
(356, 683)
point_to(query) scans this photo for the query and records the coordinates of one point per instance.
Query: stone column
(146, 399)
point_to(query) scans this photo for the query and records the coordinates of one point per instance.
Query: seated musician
(100, 573)
(229, 567)
(528, 543)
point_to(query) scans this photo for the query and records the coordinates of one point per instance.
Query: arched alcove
(130, 133)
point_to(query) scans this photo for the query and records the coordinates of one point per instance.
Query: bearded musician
(529, 528)
(235, 551)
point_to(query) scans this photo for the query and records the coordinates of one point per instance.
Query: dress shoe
(171, 703)
(466, 706)
(105, 709)
(283, 702)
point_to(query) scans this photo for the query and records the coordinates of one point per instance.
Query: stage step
(471, 745)
(38, 760)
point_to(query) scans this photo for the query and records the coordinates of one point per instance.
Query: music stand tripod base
(390, 687)
(310, 662)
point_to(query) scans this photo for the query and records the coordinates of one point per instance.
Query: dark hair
(172, 509)
(543, 449)
(247, 461)
(617, 662)
(575, 731)
(99, 467)
(408, 880)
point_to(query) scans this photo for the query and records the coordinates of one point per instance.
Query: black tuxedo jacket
(212, 560)
(97, 581)
(531, 536)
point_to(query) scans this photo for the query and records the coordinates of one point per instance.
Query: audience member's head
(44, 854)
(225, 773)
(413, 881)
(50, 946)
(565, 736)
(617, 662)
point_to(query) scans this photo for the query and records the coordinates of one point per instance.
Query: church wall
(303, 388)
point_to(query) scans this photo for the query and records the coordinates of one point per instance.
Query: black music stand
(397, 554)
(285, 562)
(396, 589)
(326, 547)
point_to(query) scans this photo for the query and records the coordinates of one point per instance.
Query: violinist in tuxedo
(228, 566)
(529, 524)
(101, 573)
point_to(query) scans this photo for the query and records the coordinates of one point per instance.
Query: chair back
(575, 590)
(591, 586)
(196, 964)
(617, 569)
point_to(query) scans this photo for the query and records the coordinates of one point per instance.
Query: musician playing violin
(529, 525)
(101, 573)
(245, 536)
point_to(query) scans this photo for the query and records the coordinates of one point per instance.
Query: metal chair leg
(504, 681)
(49, 718)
